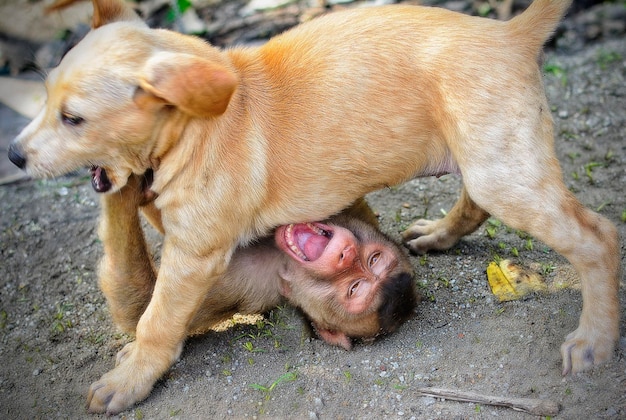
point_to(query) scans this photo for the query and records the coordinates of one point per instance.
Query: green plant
(484, 9)
(573, 156)
(3, 319)
(250, 347)
(267, 390)
(444, 281)
(529, 244)
(603, 205)
(424, 258)
(589, 168)
(556, 71)
(59, 323)
(177, 8)
(547, 268)
(398, 216)
(605, 58)
(493, 227)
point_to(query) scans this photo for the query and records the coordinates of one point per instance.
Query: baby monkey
(348, 279)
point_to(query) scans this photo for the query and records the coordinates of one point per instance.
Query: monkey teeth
(296, 248)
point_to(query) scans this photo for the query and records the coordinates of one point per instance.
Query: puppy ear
(104, 11)
(195, 85)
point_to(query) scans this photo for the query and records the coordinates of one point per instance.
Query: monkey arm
(126, 273)
(250, 285)
(362, 211)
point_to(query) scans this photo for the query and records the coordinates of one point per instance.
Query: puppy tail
(535, 26)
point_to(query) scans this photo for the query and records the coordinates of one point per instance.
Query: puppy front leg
(464, 218)
(184, 279)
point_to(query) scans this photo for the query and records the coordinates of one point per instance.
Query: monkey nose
(16, 156)
(347, 256)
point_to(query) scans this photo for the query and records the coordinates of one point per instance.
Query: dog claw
(581, 353)
(567, 359)
(129, 382)
(95, 403)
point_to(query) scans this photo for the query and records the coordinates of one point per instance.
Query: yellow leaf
(510, 281)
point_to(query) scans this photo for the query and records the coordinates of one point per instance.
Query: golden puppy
(247, 139)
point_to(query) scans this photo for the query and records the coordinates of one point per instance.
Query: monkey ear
(104, 11)
(334, 338)
(285, 288)
(196, 86)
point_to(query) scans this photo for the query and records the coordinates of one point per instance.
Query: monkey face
(347, 277)
(331, 260)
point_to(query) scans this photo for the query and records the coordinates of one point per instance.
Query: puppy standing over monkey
(349, 279)
(247, 139)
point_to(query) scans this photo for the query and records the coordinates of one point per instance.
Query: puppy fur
(246, 139)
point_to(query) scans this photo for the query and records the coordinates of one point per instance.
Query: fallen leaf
(509, 281)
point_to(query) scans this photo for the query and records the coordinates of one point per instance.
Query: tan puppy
(247, 139)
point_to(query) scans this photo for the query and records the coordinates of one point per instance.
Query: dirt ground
(56, 336)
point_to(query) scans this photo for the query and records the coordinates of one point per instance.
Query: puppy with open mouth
(247, 139)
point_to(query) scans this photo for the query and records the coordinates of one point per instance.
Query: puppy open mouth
(99, 179)
(307, 241)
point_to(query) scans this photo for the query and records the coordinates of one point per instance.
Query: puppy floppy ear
(104, 11)
(195, 85)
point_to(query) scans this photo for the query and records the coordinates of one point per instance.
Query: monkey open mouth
(99, 179)
(307, 241)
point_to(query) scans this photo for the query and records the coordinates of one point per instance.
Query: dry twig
(535, 406)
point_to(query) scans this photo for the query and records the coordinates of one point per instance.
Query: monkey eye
(353, 288)
(373, 259)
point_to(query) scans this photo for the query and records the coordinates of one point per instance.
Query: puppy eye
(70, 119)
(374, 258)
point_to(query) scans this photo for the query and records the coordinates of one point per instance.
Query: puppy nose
(16, 157)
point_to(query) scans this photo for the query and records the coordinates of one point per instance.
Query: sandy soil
(56, 336)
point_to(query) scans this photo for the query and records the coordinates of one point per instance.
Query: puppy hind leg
(464, 218)
(551, 213)
(597, 260)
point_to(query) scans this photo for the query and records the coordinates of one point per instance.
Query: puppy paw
(131, 381)
(425, 235)
(582, 350)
